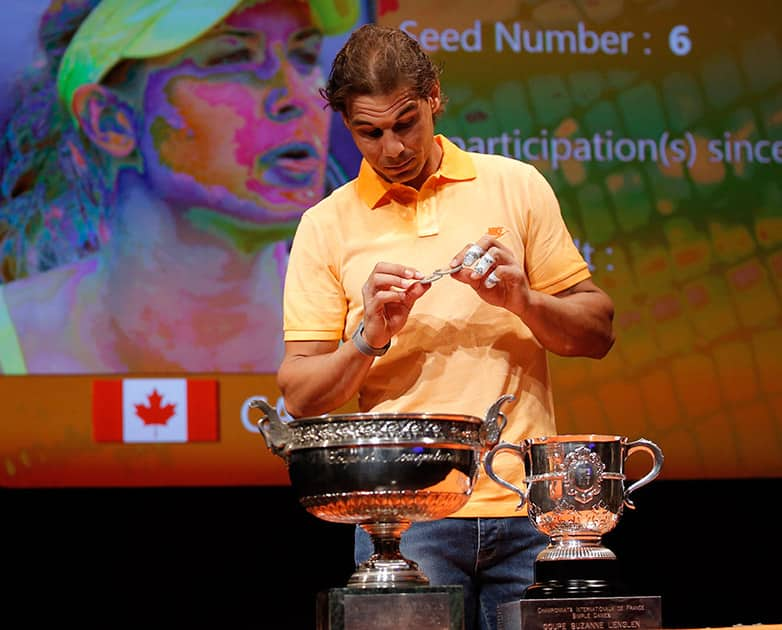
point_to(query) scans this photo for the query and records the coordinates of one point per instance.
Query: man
(361, 318)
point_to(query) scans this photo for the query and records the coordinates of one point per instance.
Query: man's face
(395, 134)
(234, 122)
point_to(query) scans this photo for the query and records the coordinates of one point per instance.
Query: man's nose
(392, 145)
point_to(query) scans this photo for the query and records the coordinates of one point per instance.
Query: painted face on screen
(395, 134)
(234, 121)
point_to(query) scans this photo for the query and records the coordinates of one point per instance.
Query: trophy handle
(656, 454)
(495, 422)
(274, 431)
(488, 459)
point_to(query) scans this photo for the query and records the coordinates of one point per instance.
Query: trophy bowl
(382, 471)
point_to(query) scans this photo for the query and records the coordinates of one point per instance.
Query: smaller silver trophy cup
(575, 494)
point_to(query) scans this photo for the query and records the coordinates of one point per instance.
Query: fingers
(486, 267)
(391, 283)
(389, 294)
(483, 262)
(389, 276)
(492, 280)
(487, 248)
(472, 254)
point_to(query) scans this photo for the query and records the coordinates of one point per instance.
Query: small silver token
(439, 273)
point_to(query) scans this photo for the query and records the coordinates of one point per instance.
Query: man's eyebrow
(358, 121)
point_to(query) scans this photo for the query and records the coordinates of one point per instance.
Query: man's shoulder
(502, 165)
(500, 160)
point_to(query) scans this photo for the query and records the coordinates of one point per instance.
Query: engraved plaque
(581, 613)
(401, 608)
(424, 611)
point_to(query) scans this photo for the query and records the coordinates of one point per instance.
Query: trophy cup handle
(656, 454)
(495, 422)
(488, 459)
(274, 431)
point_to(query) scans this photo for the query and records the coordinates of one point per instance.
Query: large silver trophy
(383, 471)
(575, 494)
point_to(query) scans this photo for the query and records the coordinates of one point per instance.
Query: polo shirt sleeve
(552, 259)
(314, 304)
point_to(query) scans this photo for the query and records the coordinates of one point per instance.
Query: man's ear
(434, 98)
(105, 119)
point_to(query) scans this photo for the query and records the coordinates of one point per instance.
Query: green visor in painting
(138, 29)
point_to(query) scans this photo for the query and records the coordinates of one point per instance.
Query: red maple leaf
(155, 413)
(387, 6)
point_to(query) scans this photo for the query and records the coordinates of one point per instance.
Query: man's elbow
(596, 348)
(605, 344)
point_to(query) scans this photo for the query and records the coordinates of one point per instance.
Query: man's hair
(376, 60)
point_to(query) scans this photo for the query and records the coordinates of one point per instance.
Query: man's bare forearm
(578, 324)
(314, 382)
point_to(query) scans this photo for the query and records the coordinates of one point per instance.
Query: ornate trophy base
(400, 608)
(387, 567)
(575, 578)
(382, 572)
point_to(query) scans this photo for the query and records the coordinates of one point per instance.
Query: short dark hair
(378, 60)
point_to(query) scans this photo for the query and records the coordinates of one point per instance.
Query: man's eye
(368, 132)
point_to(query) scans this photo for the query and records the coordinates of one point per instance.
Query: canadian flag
(154, 410)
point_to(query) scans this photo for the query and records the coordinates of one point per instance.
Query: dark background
(252, 557)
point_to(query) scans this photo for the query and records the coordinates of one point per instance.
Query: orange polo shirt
(456, 354)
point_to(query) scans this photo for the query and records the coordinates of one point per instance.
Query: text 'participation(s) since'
(666, 149)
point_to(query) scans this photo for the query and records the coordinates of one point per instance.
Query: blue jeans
(492, 559)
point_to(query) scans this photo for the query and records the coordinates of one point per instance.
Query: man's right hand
(389, 294)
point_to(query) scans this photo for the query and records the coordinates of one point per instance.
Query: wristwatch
(364, 347)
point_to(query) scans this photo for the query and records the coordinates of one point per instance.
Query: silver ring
(473, 254)
(482, 266)
(491, 280)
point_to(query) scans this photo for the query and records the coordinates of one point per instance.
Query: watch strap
(364, 347)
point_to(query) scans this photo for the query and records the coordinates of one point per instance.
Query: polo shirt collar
(456, 165)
